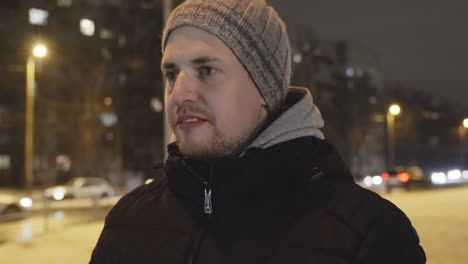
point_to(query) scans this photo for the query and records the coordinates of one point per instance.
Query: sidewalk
(72, 245)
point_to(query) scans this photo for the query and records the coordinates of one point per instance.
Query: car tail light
(403, 176)
(385, 176)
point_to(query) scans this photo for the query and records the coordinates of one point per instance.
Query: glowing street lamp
(462, 134)
(393, 111)
(38, 51)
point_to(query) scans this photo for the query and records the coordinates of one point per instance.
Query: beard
(219, 145)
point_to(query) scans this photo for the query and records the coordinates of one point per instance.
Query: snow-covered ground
(440, 216)
(71, 246)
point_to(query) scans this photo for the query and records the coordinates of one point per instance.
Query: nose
(184, 89)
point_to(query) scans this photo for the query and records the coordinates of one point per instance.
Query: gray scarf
(302, 119)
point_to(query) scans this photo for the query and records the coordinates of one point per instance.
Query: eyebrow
(205, 59)
(196, 61)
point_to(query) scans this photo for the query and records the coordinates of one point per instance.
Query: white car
(12, 204)
(80, 187)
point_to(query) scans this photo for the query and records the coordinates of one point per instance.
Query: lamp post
(39, 51)
(167, 8)
(393, 111)
(462, 133)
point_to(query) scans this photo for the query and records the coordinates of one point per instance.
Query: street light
(393, 111)
(38, 51)
(461, 133)
(167, 7)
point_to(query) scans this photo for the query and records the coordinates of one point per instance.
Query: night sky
(421, 43)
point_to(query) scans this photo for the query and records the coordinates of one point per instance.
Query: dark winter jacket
(294, 202)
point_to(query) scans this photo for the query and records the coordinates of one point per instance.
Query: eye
(207, 71)
(170, 75)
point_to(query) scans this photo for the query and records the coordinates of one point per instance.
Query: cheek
(168, 109)
(236, 113)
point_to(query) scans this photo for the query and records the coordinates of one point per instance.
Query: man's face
(212, 105)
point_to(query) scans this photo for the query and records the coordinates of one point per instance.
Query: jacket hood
(301, 119)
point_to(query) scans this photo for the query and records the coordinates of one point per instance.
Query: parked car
(373, 181)
(406, 178)
(80, 187)
(13, 204)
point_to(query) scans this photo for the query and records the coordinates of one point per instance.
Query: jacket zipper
(207, 203)
(208, 207)
(208, 210)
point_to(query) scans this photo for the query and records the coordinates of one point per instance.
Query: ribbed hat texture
(252, 30)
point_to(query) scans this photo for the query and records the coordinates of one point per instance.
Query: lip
(181, 118)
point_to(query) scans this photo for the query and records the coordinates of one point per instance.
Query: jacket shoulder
(137, 202)
(390, 236)
(385, 232)
(146, 219)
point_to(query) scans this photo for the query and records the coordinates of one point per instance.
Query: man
(250, 178)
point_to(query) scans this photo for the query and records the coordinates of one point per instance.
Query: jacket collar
(261, 184)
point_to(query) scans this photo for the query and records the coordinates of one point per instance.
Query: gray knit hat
(252, 30)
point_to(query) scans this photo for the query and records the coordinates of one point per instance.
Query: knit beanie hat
(252, 30)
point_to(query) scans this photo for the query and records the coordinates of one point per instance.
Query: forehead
(187, 42)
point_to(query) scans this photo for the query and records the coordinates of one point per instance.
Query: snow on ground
(441, 219)
(71, 246)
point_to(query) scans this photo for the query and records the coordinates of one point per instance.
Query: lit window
(106, 34)
(297, 58)
(4, 162)
(64, 3)
(350, 72)
(87, 27)
(38, 16)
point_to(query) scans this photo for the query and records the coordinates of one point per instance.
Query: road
(441, 218)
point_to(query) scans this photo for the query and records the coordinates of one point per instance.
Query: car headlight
(465, 174)
(454, 175)
(59, 194)
(368, 181)
(438, 178)
(377, 180)
(26, 202)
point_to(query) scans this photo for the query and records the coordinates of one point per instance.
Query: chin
(203, 151)
(210, 145)
(192, 149)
